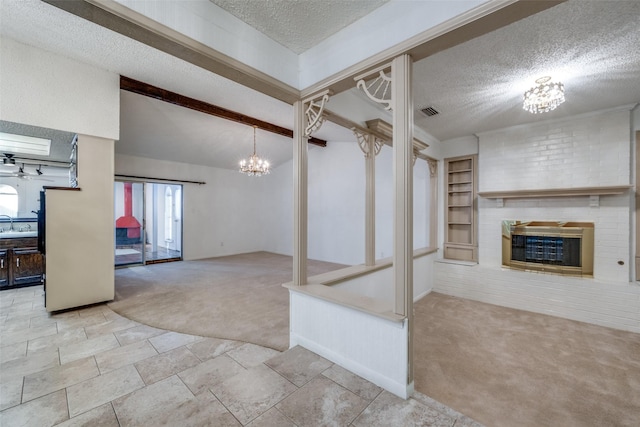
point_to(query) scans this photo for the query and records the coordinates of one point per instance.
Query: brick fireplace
(530, 173)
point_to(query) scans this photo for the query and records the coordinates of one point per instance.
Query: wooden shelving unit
(461, 211)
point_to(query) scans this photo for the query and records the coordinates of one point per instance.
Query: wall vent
(429, 111)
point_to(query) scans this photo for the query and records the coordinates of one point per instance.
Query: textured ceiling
(593, 47)
(299, 24)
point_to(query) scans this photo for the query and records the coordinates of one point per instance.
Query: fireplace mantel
(554, 192)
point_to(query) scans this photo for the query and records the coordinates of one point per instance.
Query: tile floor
(93, 367)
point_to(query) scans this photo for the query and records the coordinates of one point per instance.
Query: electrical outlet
(221, 243)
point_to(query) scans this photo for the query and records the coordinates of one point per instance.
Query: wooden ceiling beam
(155, 92)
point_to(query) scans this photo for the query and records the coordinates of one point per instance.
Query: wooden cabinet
(4, 268)
(26, 264)
(21, 263)
(461, 212)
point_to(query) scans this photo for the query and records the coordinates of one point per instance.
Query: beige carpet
(238, 297)
(500, 366)
(507, 367)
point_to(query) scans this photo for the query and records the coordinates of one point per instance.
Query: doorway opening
(148, 226)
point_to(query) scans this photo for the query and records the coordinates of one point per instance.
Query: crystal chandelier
(255, 166)
(544, 97)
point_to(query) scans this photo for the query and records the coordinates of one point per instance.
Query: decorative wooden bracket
(433, 167)
(379, 88)
(313, 112)
(363, 142)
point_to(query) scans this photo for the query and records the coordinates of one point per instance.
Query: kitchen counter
(18, 234)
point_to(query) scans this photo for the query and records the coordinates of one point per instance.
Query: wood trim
(348, 124)
(120, 19)
(152, 179)
(555, 192)
(484, 19)
(385, 128)
(160, 94)
(18, 242)
(46, 187)
(637, 197)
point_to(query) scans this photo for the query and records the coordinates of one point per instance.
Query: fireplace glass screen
(546, 250)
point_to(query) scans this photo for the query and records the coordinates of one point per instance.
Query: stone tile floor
(92, 367)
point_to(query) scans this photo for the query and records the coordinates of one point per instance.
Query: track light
(8, 160)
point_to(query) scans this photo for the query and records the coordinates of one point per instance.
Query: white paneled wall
(372, 347)
(591, 150)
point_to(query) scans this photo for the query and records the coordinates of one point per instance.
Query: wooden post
(300, 162)
(370, 202)
(402, 105)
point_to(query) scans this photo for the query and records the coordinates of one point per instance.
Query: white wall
(583, 151)
(337, 204)
(253, 214)
(222, 217)
(79, 232)
(43, 89)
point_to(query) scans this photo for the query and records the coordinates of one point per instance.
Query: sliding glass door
(164, 222)
(148, 225)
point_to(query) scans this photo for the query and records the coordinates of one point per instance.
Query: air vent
(429, 111)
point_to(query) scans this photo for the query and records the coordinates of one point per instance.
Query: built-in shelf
(460, 215)
(555, 192)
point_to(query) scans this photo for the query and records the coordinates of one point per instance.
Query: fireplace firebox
(553, 247)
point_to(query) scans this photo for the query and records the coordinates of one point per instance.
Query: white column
(402, 105)
(370, 202)
(300, 161)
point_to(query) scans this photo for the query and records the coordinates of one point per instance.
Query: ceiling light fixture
(544, 97)
(255, 166)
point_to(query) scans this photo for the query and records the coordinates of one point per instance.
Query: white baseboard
(422, 295)
(403, 391)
